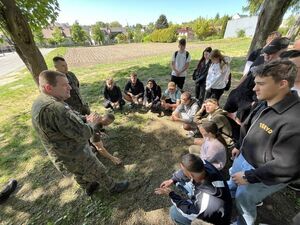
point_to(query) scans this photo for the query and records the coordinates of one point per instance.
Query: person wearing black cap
(240, 100)
(208, 197)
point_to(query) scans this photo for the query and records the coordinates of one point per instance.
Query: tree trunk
(294, 30)
(18, 29)
(269, 19)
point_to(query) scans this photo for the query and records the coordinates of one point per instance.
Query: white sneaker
(190, 134)
(234, 223)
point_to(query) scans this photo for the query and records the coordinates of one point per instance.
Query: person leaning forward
(65, 135)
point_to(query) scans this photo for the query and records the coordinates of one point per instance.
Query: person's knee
(243, 196)
(187, 126)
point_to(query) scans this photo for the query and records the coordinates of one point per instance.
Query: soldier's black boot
(119, 187)
(91, 188)
(6, 192)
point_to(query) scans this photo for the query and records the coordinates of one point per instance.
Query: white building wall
(248, 24)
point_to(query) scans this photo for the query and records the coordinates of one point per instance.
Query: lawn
(149, 147)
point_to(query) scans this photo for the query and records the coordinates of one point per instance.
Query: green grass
(23, 157)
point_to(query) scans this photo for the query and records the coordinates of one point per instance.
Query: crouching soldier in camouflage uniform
(75, 101)
(65, 136)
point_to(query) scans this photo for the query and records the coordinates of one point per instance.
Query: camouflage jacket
(75, 101)
(61, 130)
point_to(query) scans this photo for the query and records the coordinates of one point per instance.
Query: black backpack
(186, 55)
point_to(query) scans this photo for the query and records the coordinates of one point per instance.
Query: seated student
(112, 95)
(152, 95)
(213, 148)
(186, 111)
(208, 197)
(211, 111)
(134, 90)
(171, 97)
(96, 138)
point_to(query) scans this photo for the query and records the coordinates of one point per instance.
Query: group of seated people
(215, 131)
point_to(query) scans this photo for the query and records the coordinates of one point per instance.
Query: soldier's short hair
(279, 70)
(58, 58)
(49, 77)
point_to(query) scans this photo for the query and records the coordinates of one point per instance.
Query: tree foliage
(78, 35)
(97, 33)
(115, 24)
(162, 22)
(39, 13)
(39, 37)
(164, 35)
(121, 38)
(18, 18)
(254, 6)
(57, 36)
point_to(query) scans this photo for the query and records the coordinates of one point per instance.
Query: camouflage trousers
(87, 169)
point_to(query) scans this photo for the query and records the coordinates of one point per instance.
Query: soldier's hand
(93, 118)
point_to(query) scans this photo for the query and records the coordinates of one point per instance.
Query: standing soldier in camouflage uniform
(75, 101)
(65, 136)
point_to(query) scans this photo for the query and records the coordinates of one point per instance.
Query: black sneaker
(91, 188)
(119, 187)
(9, 188)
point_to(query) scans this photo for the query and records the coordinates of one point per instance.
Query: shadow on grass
(43, 191)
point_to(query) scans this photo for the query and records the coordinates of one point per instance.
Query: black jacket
(113, 95)
(270, 142)
(211, 200)
(136, 89)
(154, 94)
(200, 74)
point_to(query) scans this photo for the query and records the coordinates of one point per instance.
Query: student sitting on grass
(171, 97)
(152, 96)
(112, 95)
(134, 90)
(213, 148)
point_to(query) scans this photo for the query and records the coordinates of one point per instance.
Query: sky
(131, 12)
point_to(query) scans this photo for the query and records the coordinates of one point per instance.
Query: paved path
(11, 62)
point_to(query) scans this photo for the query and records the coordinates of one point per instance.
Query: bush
(241, 33)
(147, 38)
(121, 38)
(164, 35)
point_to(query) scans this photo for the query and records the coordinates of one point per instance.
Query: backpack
(186, 55)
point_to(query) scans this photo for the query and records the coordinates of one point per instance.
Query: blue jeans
(247, 196)
(178, 218)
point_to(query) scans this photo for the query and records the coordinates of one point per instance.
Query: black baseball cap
(276, 45)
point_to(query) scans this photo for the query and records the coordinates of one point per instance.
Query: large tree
(79, 36)
(270, 16)
(97, 33)
(162, 22)
(17, 17)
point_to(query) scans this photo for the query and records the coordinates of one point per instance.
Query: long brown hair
(211, 127)
(216, 54)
